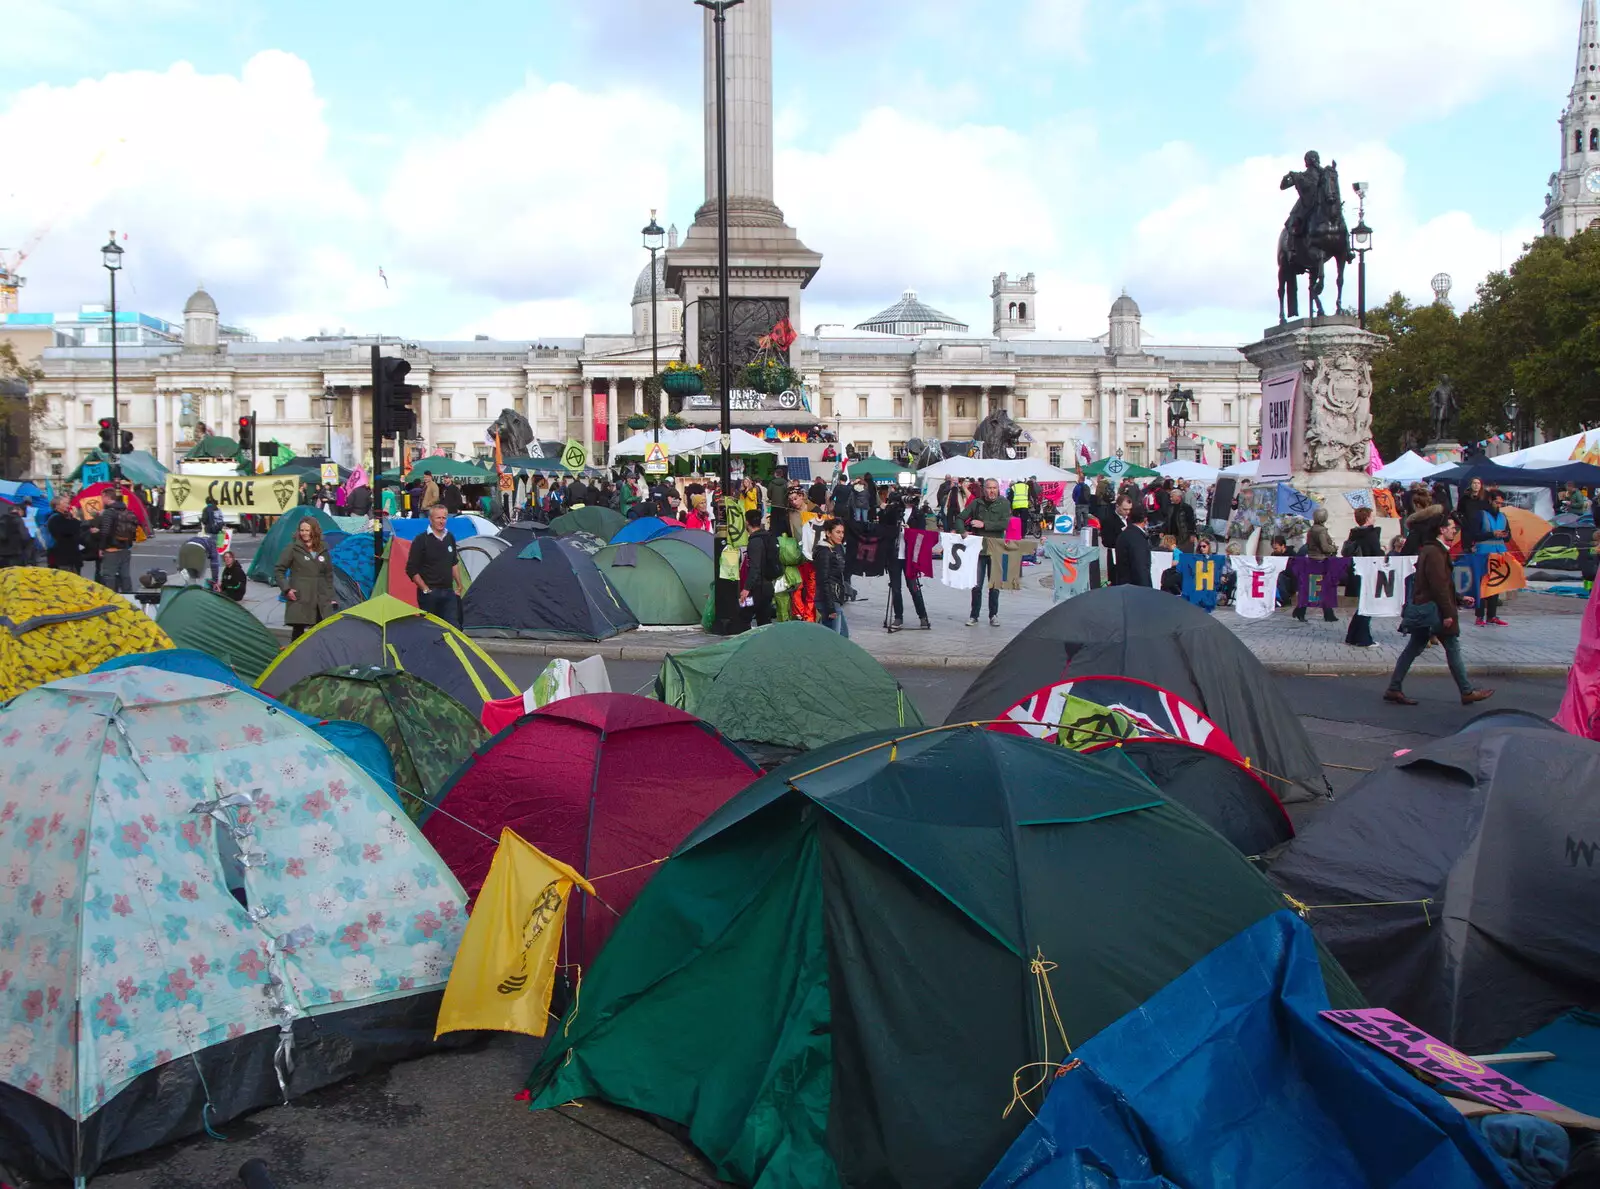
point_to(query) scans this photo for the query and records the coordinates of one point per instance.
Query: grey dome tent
(548, 589)
(1131, 631)
(1495, 829)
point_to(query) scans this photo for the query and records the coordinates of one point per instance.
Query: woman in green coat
(305, 575)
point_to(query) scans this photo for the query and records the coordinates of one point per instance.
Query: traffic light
(395, 398)
(127, 443)
(247, 434)
(108, 444)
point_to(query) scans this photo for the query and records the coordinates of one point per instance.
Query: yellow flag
(505, 970)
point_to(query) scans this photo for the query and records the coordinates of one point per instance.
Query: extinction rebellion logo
(545, 909)
(1577, 849)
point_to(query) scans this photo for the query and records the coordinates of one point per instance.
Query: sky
(497, 160)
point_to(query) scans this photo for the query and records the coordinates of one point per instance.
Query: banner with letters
(1278, 393)
(264, 495)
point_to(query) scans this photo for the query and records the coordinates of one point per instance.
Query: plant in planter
(770, 376)
(638, 421)
(673, 421)
(683, 379)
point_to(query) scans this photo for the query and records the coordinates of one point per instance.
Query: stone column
(748, 53)
(1103, 399)
(1242, 416)
(944, 412)
(611, 418)
(588, 418)
(535, 399)
(1119, 431)
(358, 440)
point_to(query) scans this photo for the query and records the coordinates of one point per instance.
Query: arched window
(1594, 140)
(1012, 311)
(1577, 141)
(1022, 311)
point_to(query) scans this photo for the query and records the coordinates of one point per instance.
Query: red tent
(91, 498)
(603, 782)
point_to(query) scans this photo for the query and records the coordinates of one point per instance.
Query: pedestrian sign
(655, 458)
(330, 472)
(574, 457)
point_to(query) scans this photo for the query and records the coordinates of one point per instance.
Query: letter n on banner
(1278, 394)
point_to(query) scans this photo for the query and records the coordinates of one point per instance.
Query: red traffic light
(244, 423)
(106, 423)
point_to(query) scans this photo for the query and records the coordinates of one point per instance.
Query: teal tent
(662, 582)
(591, 518)
(196, 618)
(279, 536)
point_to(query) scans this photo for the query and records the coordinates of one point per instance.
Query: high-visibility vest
(1019, 496)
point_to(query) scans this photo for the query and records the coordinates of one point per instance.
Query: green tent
(279, 536)
(197, 618)
(214, 448)
(428, 733)
(591, 518)
(1121, 470)
(137, 466)
(662, 582)
(790, 685)
(879, 470)
(844, 974)
(455, 468)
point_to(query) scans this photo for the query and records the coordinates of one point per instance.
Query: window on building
(125, 412)
(1022, 408)
(280, 408)
(127, 334)
(483, 408)
(1135, 453)
(861, 449)
(1053, 453)
(575, 404)
(444, 408)
(86, 408)
(861, 406)
(1227, 411)
(677, 320)
(1133, 406)
(1577, 141)
(1594, 140)
(1227, 456)
(448, 449)
(482, 451)
(827, 407)
(896, 449)
(1022, 311)
(244, 406)
(547, 404)
(1011, 310)
(1055, 408)
(1088, 408)
(899, 407)
(961, 406)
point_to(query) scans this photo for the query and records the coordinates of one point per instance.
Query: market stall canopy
(1409, 468)
(1492, 473)
(677, 441)
(879, 470)
(1186, 468)
(1005, 470)
(453, 467)
(1248, 469)
(214, 447)
(1575, 448)
(1130, 470)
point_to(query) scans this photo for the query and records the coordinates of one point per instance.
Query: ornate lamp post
(727, 590)
(111, 254)
(1512, 409)
(1149, 442)
(654, 239)
(1178, 414)
(327, 412)
(1361, 241)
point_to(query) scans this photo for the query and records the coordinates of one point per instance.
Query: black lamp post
(1512, 409)
(111, 254)
(1361, 241)
(727, 590)
(1178, 414)
(327, 410)
(654, 238)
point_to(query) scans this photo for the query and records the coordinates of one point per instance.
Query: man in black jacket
(762, 569)
(66, 536)
(1133, 551)
(431, 564)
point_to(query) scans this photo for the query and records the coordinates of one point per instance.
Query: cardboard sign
(1383, 500)
(508, 483)
(1503, 574)
(330, 473)
(733, 517)
(265, 496)
(1277, 424)
(574, 457)
(655, 458)
(1384, 1030)
(1360, 498)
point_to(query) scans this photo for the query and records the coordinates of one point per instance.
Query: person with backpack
(763, 568)
(116, 529)
(211, 521)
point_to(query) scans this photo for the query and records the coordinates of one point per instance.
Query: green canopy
(455, 468)
(138, 466)
(1121, 470)
(879, 470)
(835, 978)
(428, 733)
(591, 518)
(662, 582)
(279, 536)
(794, 685)
(199, 619)
(215, 448)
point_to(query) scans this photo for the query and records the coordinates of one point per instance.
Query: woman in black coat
(1365, 540)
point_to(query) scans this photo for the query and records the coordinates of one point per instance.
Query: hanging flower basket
(638, 421)
(770, 377)
(684, 379)
(675, 422)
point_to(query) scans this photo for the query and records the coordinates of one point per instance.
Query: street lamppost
(1149, 442)
(111, 254)
(1512, 409)
(1361, 241)
(1178, 414)
(654, 239)
(327, 410)
(726, 618)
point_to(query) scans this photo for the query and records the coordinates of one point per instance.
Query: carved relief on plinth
(1338, 407)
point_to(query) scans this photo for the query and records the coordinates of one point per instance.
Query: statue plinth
(1447, 452)
(1332, 426)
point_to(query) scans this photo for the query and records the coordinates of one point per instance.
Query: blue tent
(353, 558)
(645, 528)
(410, 528)
(1228, 1075)
(361, 744)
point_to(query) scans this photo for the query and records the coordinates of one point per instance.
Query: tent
(468, 524)
(1249, 468)
(677, 441)
(1495, 475)
(1230, 1076)
(386, 632)
(194, 617)
(475, 553)
(1126, 631)
(427, 732)
(1573, 448)
(788, 685)
(879, 470)
(1473, 863)
(1187, 468)
(216, 448)
(218, 875)
(835, 978)
(136, 466)
(281, 534)
(661, 581)
(352, 558)
(90, 499)
(1580, 706)
(645, 528)
(360, 743)
(593, 519)
(547, 590)
(1118, 469)
(705, 542)
(457, 469)
(1563, 552)
(55, 624)
(1223, 793)
(1410, 467)
(602, 782)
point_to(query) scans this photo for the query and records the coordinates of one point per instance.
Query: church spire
(1587, 76)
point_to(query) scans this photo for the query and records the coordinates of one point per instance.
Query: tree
(1426, 343)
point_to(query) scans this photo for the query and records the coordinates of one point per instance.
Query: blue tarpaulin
(1227, 1076)
(1573, 1078)
(353, 555)
(645, 528)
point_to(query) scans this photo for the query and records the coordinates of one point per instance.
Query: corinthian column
(748, 49)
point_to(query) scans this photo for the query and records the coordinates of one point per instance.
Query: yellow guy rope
(1040, 968)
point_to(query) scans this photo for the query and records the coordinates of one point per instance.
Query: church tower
(1015, 310)
(1573, 204)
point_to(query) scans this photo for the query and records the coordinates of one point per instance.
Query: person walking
(988, 517)
(1431, 612)
(430, 492)
(431, 566)
(304, 574)
(763, 568)
(1133, 550)
(1491, 537)
(1365, 540)
(66, 536)
(891, 535)
(115, 529)
(833, 586)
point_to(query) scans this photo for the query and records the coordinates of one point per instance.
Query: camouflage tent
(428, 733)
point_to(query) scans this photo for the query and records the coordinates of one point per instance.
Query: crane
(11, 279)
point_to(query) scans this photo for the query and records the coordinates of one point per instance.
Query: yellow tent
(54, 624)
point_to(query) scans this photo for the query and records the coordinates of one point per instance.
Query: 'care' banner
(263, 496)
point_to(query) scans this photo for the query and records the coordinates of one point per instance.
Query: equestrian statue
(1314, 234)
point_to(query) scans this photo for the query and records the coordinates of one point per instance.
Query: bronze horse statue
(1309, 240)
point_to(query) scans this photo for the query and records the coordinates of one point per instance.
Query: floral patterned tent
(187, 878)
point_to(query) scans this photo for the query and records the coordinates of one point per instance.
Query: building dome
(641, 288)
(1125, 307)
(908, 316)
(200, 302)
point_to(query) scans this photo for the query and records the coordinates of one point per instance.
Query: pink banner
(1384, 1030)
(601, 421)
